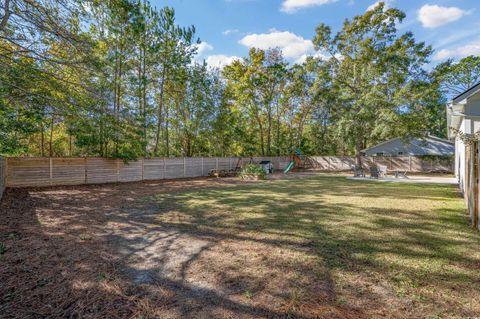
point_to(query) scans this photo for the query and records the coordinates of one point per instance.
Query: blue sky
(228, 28)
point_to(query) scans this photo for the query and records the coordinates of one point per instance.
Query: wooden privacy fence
(29, 171)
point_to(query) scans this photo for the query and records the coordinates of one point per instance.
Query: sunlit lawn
(376, 248)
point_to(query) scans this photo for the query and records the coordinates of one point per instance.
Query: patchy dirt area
(203, 248)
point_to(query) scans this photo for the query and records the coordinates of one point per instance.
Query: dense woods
(120, 78)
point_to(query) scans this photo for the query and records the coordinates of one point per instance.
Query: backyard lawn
(312, 247)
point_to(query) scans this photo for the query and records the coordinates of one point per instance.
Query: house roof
(430, 145)
(456, 109)
(466, 94)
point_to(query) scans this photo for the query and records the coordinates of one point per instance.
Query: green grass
(398, 246)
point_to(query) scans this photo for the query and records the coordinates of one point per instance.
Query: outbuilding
(428, 146)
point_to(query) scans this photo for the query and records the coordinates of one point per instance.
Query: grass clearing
(314, 247)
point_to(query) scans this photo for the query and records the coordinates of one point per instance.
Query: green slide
(289, 167)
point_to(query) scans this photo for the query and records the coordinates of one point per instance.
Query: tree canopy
(121, 78)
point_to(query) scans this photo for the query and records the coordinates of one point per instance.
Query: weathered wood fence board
(3, 175)
(20, 172)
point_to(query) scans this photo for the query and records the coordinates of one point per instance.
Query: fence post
(85, 168)
(410, 163)
(143, 167)
(164, 169)
(5, 160)
(184, 168)
(216, 163)
(118, 170)
(51, 171)
(203, 172)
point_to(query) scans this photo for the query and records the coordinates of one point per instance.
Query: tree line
(120, 78)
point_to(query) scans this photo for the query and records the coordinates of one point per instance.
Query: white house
(463, 120)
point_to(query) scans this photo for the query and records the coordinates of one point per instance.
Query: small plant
(248, 294)
(102, 277)
(85, 237)
(2, 248)
(253, 170)
(9, 296)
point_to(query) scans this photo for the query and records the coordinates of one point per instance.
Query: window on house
(380, 154)
(400, 153)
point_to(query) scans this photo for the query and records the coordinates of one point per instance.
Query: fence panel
(131, 172)
(102, 170)
(223, 162)
(193, 167)
(399, 163)
(281, 162)
(321, 162)
(153, 168)
(335, 163)
(368, 161)
(21, 172)
(209, 163)
(174, 168)
(68, 171)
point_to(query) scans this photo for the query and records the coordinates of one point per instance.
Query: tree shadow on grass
(276, 249)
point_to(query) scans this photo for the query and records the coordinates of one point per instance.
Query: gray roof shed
(430, 145)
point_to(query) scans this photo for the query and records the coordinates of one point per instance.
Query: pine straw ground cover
(317, 247)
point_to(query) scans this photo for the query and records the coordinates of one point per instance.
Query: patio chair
(374, 172)
(382, 169)
(401, 174)
(358, 171)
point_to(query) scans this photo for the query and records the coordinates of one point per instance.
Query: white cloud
(220, 60)
(388, 4)
(230, 31)
(292, 6)
(433, 16)
(317, 54)
(293, 46)
(472, 48)
(203, 47)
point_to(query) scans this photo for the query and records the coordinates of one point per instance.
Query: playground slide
(289, 167)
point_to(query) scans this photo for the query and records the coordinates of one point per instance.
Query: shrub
(253, 169)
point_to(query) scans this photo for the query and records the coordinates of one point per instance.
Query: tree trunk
(42, 142)
(358, 152)
(278, 129)
(269, 134)
(144, 103)
(159, 112)
(51, 137)
(69, 144)
(262, 143)
(167, 137)
(115, 93)
(119, 83)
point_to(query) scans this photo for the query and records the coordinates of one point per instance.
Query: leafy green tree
(457, 77)
(377, 74)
